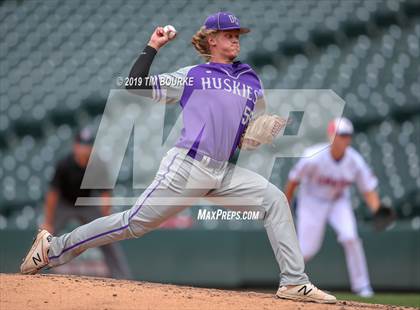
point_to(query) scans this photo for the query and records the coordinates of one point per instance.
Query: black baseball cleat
(37, 257)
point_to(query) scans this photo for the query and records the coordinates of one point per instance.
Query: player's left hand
(384, 217)
(262, 130)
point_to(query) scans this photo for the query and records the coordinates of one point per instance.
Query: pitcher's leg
(113, 253)
(281, 232)
(96, 233)
(143, 217)
(278, 222)
(134, 222)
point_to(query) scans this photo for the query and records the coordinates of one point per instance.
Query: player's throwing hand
(159, 38)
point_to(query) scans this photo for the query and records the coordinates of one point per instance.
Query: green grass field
(398, 299)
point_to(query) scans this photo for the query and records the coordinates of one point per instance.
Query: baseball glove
(384, 217)
(262, 130)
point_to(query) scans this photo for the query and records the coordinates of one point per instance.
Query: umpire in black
(64, 189)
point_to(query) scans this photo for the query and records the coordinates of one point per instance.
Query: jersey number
(247, 115)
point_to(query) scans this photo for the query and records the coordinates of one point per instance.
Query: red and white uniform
(324, 196)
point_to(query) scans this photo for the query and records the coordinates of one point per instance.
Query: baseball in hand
(170, 31)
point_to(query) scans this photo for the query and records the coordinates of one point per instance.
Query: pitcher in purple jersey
(222, 93)
(217, 105)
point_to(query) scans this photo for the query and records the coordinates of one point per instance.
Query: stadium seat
(64, 58)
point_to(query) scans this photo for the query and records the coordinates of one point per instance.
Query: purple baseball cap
(224, 21)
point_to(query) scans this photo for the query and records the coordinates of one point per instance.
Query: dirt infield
(71, 292)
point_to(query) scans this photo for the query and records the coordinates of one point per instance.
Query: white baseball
(170, 31)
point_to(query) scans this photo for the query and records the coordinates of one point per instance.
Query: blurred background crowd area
(59, 60)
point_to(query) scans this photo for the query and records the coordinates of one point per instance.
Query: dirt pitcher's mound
(71, 292)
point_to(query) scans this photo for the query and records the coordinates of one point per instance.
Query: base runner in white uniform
(324, 176)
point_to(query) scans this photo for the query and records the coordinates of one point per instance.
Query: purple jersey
(217, 103)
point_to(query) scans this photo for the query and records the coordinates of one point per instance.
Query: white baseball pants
(312, 216)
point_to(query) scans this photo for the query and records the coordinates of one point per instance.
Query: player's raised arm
(165, 87)
(160, 37)
(141, 67)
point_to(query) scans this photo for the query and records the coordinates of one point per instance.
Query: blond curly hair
(199, 40)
